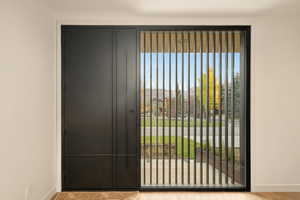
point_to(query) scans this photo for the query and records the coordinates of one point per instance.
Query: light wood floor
(175, 196)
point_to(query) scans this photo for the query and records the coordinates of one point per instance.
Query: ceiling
(178, 8)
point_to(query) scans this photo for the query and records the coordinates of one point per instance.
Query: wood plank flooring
(176, 196)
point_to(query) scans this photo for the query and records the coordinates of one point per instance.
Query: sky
(179, 67)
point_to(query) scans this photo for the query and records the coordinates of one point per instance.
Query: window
(194, 108)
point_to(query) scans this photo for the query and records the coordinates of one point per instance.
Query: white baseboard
(51, 192)
(276, 188)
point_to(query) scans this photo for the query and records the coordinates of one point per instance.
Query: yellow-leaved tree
(211, 91)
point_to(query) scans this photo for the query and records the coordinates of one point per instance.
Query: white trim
(276, 188)
(50, 193)
(58, 106)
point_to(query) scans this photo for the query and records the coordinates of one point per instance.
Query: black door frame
(246, 100)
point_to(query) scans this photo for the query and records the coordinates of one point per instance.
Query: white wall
(275, 103)
(27, 100)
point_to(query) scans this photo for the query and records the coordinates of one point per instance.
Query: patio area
(158, 180)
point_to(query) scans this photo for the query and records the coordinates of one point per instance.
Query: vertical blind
(190, 108)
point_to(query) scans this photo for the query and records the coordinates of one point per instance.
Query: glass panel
(190, 108)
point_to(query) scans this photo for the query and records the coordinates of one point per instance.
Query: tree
(210, 92)
(237, 94)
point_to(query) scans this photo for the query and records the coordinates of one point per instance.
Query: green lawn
(179, 144)
(173, 123)
(185, 146)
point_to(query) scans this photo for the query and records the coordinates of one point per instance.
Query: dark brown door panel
(88, 172)
(99, 108)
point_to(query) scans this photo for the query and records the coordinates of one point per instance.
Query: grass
(185, 146)
(173, 123)
(173, 142)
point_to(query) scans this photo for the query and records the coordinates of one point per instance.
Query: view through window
(191, 112)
